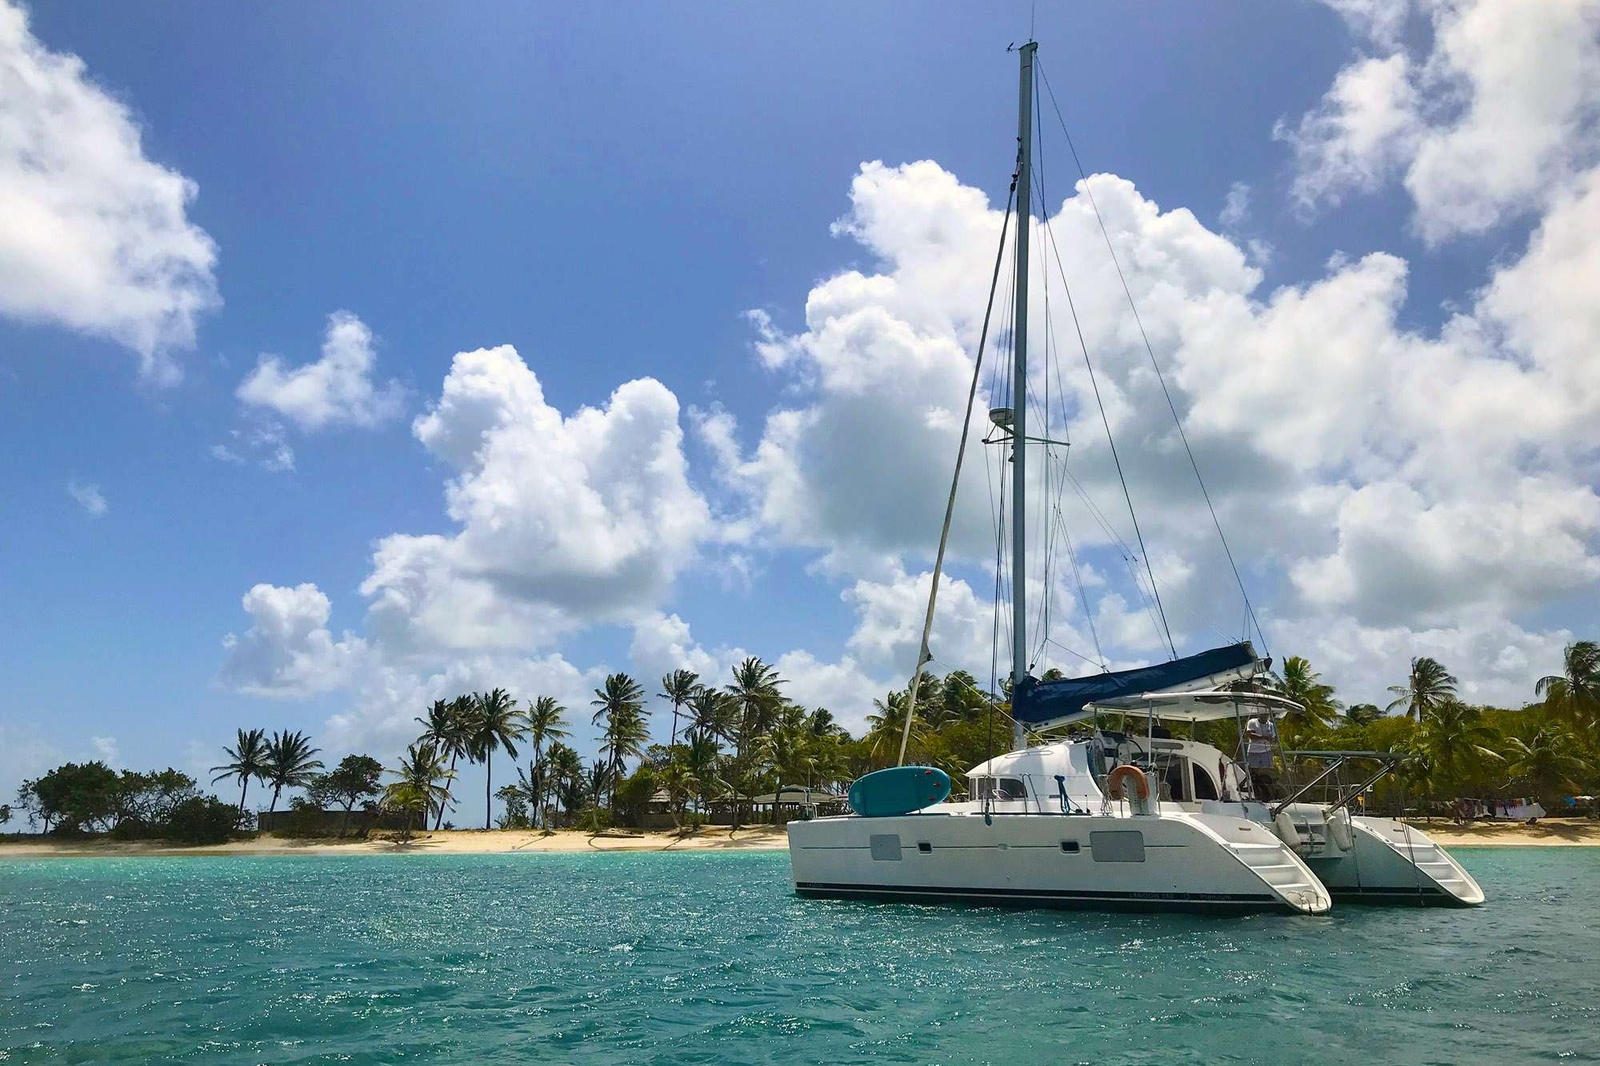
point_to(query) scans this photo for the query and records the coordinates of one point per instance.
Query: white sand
(450, 842)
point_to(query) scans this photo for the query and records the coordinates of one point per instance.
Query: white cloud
(563, 520)
(1235, 207)
(288, 650)
(107, 750)
(90, 498)
(94, 235)
(336, 390)
(1384, 477)
(262, 444)
(1364, 128)
(1495, 118)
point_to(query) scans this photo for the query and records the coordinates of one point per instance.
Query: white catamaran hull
(1391, 862)
(1167, 862)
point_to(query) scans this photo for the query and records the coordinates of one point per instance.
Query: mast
(1019, 388)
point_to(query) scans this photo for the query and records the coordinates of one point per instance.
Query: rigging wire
(1111, 440)
(955, 479)
(1155, 363)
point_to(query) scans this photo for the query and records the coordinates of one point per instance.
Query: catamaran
(1120, 813)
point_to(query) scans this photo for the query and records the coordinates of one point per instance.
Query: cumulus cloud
(335, 390)
(1496, 116)
(288, 651)
(95, 236)
(562, 520)
(1394, 479)
(90, 498)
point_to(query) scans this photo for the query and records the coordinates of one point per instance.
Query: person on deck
(1261, 738)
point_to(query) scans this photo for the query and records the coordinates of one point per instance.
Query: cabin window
(1000, 788)
(1173, 786)
(1117, 846)
(1204, 787)
(885, 847)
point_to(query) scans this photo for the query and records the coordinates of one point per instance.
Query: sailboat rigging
(1112, 819)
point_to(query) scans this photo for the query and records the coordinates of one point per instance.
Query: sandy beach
(1557, 832)
(449, 842)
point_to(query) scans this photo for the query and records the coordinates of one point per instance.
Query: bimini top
(1203, 705)
(1047, 703)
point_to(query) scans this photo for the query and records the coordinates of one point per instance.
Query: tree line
(728, 743)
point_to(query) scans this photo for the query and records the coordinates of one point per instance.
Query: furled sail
(1042, 703)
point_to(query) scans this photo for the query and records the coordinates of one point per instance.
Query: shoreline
(444, 842)
(1548, 832)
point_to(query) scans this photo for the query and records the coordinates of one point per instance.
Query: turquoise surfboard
(898, 790)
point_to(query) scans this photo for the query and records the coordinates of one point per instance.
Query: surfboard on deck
(898, 790)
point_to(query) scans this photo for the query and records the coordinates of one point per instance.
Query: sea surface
(708, 958)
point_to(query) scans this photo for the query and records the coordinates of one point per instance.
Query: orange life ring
(1116, 777)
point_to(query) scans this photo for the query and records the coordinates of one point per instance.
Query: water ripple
(684, 959)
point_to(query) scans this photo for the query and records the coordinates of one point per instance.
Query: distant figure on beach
(1262, 736)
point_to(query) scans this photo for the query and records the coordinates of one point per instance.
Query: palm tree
(701, 756)
(713, 712)
(417, 785)
(756, 705)
(1551, 760)
(1427, 689)
(545, 722)
(446, 727)
(496, 724)
(289, 763)
(1363, 714)
(619, 704)
(678, 688)
(249, 755)
(884, 727)
(1574, 694)
(1302, 684)
(564, 773)
(1449, 739)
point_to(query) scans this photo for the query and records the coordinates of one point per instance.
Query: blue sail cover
(1037, 702)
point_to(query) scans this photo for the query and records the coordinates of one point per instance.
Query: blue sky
(611, 190)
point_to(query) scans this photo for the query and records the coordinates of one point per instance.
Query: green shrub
(203, 820)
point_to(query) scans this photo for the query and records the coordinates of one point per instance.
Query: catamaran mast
(1019, 388)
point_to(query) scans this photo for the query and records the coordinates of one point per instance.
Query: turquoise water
(708, 958)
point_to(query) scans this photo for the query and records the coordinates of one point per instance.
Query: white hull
(1169, 862)
(1391, 862)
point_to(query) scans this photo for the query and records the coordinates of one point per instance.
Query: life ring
(1140, 801)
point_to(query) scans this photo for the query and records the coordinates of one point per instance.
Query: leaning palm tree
(1574, 694)
(545, 723)
(249, 755)
(421, 783)
(678, 688)
(1428, 687)
(619, 704)
(496, 725)
(449, 726)
(290, 763)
